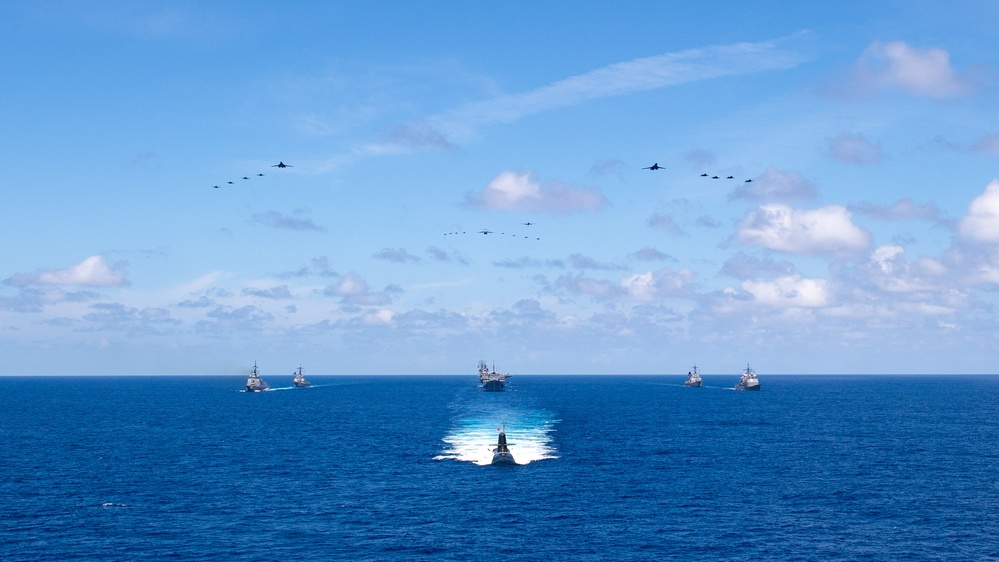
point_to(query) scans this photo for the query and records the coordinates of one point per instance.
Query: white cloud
(853, 148)
(91, 272)
(776, 185)
(898, 66)
(824, 231)
(982, 221)
(638, 75)
(512, 191)
(790, 292)
(889, 270)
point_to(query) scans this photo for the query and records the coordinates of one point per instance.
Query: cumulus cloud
(981, 224)
(353, 290)
(512, 191)
(898, 66)
(823, 231)
(91, 272)
(651, 286)
(902, 209)
(789, 292)
(776, 185)
(275, 219)
(854, 148)
(888, 270)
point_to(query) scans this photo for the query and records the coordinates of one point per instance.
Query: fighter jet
(282, 165)
(527, 223)
(655, 166)
(485, 232)
(730, 178)
(704, 175)
(748, 181)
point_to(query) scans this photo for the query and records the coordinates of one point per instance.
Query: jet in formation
(655, 166)
(260, 175)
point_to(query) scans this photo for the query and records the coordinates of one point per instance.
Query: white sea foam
(473, 438)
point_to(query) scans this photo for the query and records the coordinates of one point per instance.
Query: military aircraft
(748, 181)
(704, 175)
(655, 166)
(527, 223)
(282, 165)
(485, 232)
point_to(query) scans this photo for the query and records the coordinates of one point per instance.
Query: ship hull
(754, 387)
(503, 458)
(493, 386)
(695, 384)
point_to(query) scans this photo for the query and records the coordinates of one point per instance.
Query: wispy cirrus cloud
(449, 128)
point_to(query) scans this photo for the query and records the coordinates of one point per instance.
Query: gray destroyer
(254, 383)
(299, 380)
(693, 378)
(748, 380)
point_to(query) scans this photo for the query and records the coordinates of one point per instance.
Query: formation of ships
(256, 384)
(493, 381)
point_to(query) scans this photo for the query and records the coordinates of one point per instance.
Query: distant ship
(501, 454)
(300, 381)
(490, 379)
(255, 383)
(748, 380)
(693, 378)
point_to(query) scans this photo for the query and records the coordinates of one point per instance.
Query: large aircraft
(282, 165)
(655, 166)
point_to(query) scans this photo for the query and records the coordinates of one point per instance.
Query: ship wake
(473, 437)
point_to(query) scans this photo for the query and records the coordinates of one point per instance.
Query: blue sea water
(396, 468)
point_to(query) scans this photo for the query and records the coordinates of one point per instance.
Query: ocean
(397, 468)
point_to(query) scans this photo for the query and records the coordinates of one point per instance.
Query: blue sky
(866, 242)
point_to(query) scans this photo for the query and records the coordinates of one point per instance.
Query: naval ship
(693, 378)
(748, 380)
(255, 383)
(501, 454)
(300, 381)
(490, 379)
